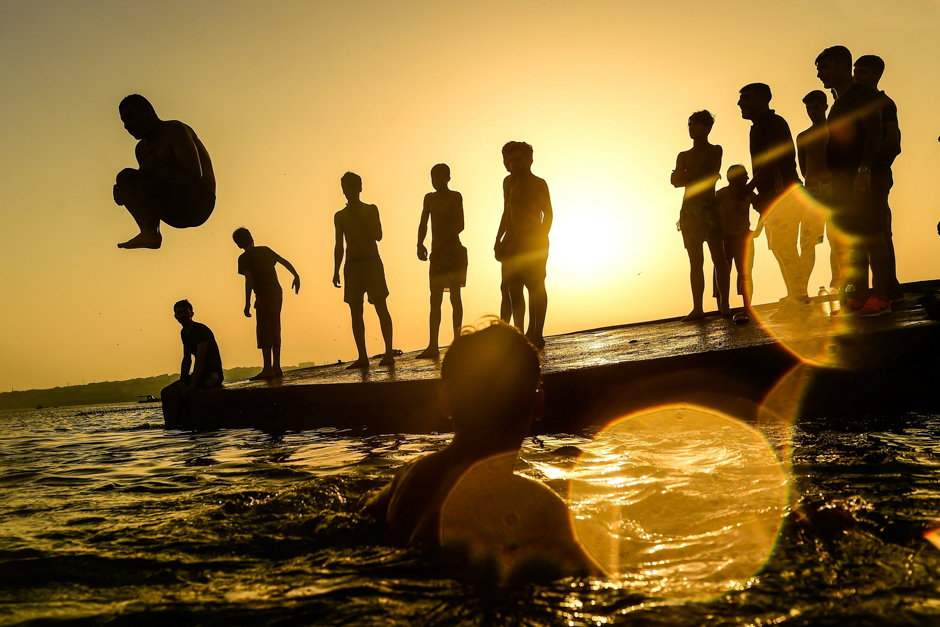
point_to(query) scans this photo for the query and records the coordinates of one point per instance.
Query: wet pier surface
(830, 364)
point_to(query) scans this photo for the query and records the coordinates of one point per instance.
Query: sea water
(105, 517)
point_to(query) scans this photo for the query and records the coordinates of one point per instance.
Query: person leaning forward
(199, 344)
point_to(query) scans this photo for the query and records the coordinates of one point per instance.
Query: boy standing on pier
(448, 271)
(735, 202)
(258, 265)
(466, 498)
(358, 224)
(697, 170)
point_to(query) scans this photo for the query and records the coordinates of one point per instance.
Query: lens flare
(680, 501)
(809, 331)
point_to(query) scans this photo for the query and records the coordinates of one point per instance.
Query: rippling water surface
(105, 517)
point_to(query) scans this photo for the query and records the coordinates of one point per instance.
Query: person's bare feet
(264, 374)
(362, 362)
(695, 314)
(429, 353)
(388, 359)
(151, 240)
(537, 342)
(278, 372)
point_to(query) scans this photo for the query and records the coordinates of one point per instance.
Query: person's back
(362, 230)
(466, 498)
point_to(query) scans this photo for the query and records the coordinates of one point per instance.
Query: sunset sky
(287, 96)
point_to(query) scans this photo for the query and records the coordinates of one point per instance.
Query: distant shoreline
(128, 391)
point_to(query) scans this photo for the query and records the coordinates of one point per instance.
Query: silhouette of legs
(456, 304)
(432, 351)
(385, 322)
(517, 302)
(538, 306)
(138, 196)
(697, 280)
(359, 334)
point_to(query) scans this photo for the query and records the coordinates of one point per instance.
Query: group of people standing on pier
(845, 160)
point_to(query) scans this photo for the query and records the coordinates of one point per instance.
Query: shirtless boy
(448, 272)
(259, 266)
(175, 183)
(737, 242)
(466, 498)
(811, 155)
(527, 219)
(697, 170)
(358, 224)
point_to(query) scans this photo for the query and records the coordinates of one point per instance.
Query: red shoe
(874, 307)
(850, 308)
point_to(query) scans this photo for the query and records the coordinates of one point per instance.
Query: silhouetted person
(868, 71)
(448, 271)
(737, 242)
(359, 225)
(501, 249)
(258, 265)
(773, 160)
(811, 155)
(466, 498)
(199, 344)
(697, 170)
(527, 217)
(854, 144)
(175, 183)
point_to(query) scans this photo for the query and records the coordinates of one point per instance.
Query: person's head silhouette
(242, 238)
(754, 100)
(352, 185)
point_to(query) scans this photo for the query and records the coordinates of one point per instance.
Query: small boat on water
(147, 398)
(807, 365)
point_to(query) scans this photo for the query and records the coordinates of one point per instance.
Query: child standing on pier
(359, 226)
(258, 264)
(738, 245)
(448, 271)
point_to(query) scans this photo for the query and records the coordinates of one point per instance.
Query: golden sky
(287, 96)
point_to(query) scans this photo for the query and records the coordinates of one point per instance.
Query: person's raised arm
(337, 248)
(284, 262)
(423, 229)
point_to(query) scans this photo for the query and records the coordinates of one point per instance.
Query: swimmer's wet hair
(138, 101)
(441, 167)
(491, 371)
(183, 304)
(242, 236)
(704, 117)
(511, 147)
(816, 96)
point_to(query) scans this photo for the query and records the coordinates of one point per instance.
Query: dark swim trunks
(268, 319)
(700, 221)
(364, 276)
(448, 269)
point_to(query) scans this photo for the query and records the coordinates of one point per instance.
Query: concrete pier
(829, 365)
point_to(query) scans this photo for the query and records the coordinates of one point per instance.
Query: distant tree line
(106, 392)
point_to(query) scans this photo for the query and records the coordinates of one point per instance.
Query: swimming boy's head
(242, 237)
(517, 157)
(352, 184)
(440, 176)
(700, 124)
(491, 384)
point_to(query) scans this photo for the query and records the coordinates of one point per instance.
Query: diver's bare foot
(264, 374)
(429, 353)
(362, 362)
(695, 314)
(388, 359)
(152, 241)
